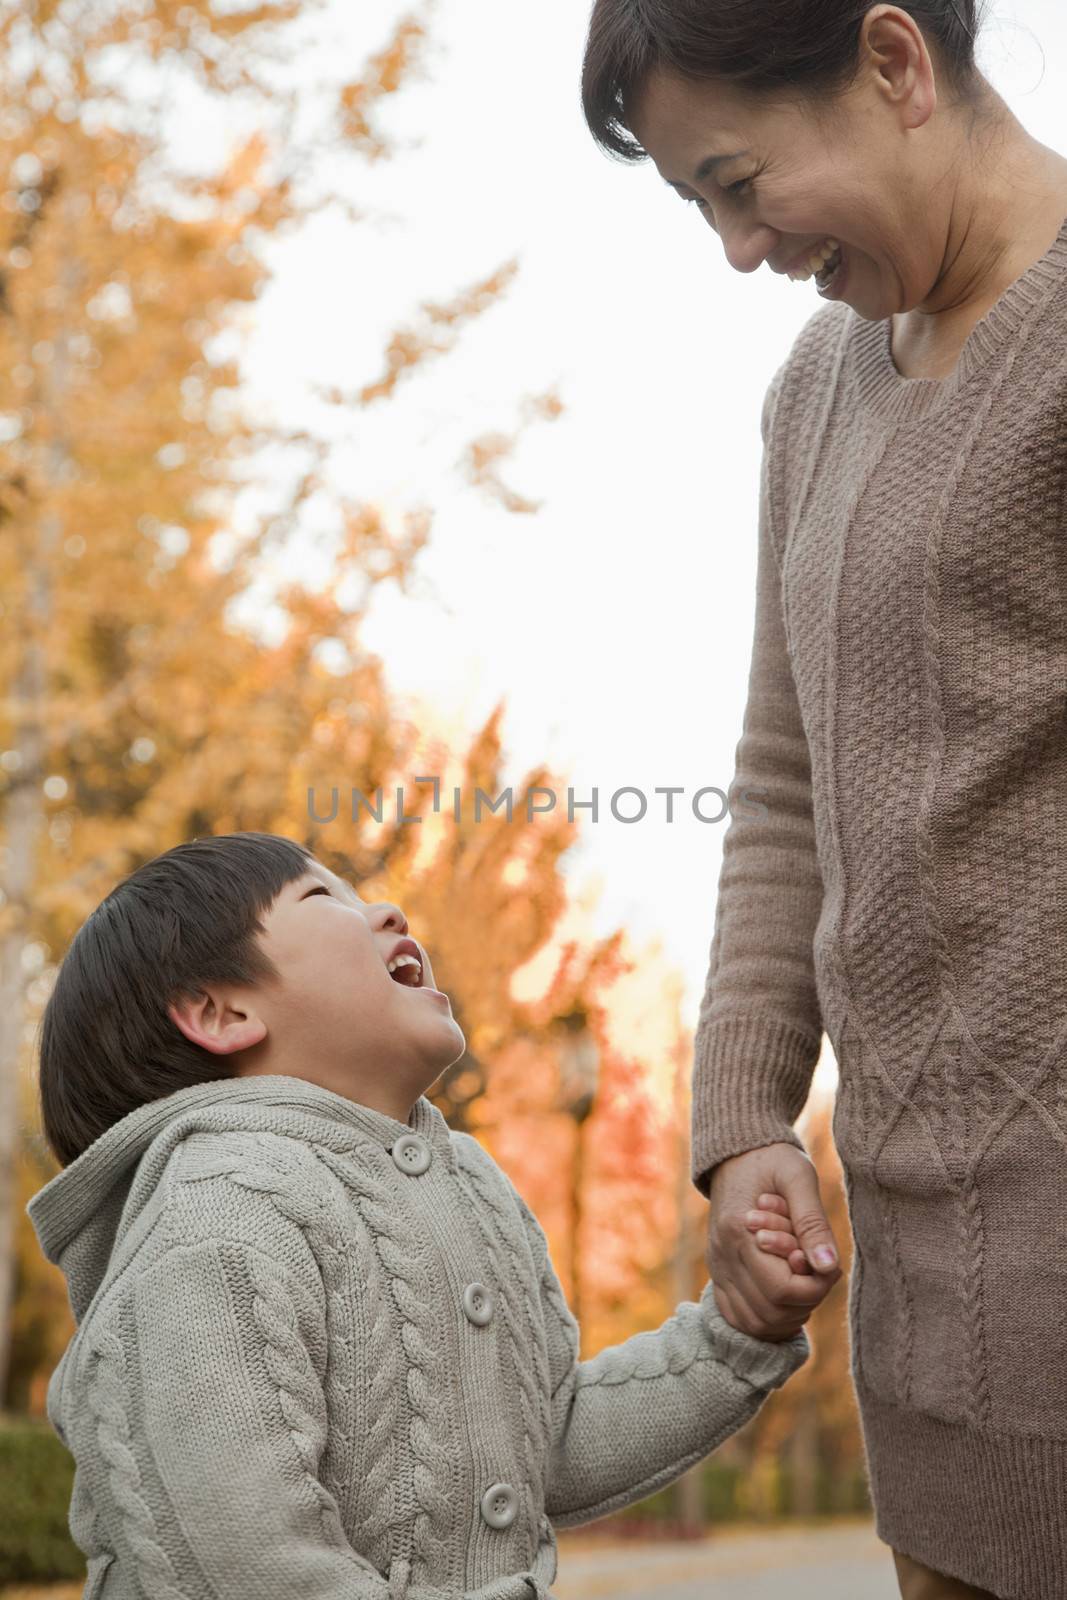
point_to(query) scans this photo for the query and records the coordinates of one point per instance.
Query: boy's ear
(209, 1021)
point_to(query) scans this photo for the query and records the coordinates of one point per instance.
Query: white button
(478, 1304)
(499, 1505)
(411, 1153)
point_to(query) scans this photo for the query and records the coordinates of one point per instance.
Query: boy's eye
(322, 889)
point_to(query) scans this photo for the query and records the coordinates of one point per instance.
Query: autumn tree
(137, 710)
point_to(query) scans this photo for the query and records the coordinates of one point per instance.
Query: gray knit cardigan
(323, 1355)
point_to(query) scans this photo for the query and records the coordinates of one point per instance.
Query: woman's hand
(759, 1291)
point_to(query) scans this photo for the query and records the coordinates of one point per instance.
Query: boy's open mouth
(405, 964)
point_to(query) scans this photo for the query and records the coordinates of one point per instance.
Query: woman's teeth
(826, 251)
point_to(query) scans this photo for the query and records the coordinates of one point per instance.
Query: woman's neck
(1006, 222)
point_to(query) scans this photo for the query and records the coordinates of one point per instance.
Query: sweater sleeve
(639, 1414)
(759, 1028)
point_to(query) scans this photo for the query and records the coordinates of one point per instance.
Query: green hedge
(36, 1480)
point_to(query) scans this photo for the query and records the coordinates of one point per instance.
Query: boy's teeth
(815, 261)
(402, 961)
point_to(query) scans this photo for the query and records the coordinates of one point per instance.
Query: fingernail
(825, 1258)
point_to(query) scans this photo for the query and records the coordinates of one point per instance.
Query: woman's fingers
(747, 1309)
(772, 1290)
(767, 1292)
(771, 1230)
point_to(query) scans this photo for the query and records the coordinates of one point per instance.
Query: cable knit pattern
(108, 1396)
(307, 1208)
(295, 1398)
(566, 1344)
(531, 1379)
(375, 1507)
(675, 1348)
(905, 891)
(300, 1396)
(423, 1344)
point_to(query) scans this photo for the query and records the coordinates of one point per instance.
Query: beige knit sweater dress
(904, 889)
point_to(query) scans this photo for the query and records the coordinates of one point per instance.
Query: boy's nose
(389, 916)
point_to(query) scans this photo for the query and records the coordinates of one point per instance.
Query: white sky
(616, 622)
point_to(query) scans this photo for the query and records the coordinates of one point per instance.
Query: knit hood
(83, 1213)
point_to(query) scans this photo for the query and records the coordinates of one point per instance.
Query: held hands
(773, 1230)
(768, 1287)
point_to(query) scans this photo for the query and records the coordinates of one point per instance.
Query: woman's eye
(731, 188)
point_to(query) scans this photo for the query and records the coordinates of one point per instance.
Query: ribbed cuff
(765, 1363)
(751, 1079)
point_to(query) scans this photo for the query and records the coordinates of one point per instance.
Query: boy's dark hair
(804, 51)
(184, 919)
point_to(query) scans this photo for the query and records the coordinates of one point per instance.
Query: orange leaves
(410, 347)
(386, 73)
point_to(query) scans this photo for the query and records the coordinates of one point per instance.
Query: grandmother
(904, 887)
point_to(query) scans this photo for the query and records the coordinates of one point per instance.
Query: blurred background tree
(136, 710)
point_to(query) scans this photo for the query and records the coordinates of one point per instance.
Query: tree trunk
(689, 1490)
(23, 816)
(804, 1458)
(23, 821)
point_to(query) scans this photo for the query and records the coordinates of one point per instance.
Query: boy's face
(336, 1016)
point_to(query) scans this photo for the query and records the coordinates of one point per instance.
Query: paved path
(838, 1561)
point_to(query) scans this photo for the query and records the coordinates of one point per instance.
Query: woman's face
(794, 180)
(781, 188)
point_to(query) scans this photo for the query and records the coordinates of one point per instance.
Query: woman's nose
(741, 254)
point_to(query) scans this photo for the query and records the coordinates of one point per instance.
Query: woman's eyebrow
(708, 165)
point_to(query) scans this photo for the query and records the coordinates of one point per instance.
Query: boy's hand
(774, 1231)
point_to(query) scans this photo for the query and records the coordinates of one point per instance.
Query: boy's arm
(233, 1419)
(638, 1415)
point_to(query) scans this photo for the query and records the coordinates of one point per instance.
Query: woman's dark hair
(800, 51)
(184, 919)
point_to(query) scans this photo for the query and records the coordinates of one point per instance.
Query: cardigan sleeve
(639, 1414)
(759, 1028)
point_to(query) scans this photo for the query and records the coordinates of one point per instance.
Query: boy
(321, 1349)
